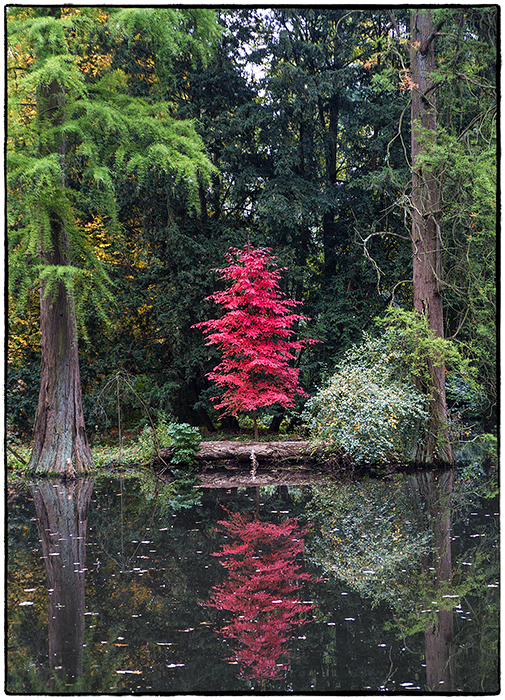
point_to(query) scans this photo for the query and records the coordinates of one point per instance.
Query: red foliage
(261, 592)
(254, 334)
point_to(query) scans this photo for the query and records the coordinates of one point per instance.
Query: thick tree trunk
(276, 422)
(230, 424)
(62, 521)
(202, 411)
(60, 444)
(426, 243)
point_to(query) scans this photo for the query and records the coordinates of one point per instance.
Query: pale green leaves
(171, 31)
(365, 411)
(60, 69)
(44, 33)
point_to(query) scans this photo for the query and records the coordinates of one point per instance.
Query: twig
(391, 671)
(16, 455)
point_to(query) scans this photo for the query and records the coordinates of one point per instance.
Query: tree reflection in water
(391, 542)
(262, 593)
(62, 508)
(435, 489)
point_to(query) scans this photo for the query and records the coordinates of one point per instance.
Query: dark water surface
(113, 585)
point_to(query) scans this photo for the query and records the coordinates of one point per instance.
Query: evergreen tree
(330, 175)
(466, 153)
(453, 194)
(72, 109)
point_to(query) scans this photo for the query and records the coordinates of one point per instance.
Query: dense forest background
(304, 114)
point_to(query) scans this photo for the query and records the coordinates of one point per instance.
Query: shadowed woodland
(357, 146)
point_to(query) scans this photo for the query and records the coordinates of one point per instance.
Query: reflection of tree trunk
(62, 519)
(436, 489)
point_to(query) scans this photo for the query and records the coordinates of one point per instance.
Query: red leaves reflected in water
(261, 592)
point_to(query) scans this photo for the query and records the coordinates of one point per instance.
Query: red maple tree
(262, 593)
(254, 335)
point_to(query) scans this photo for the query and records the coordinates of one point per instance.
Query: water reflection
(435, 489)
(62, 509)
(410, 596)
(262, 593)
(392, 543)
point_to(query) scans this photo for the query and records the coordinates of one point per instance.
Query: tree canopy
(189, 131)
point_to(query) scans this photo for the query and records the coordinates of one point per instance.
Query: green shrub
(466, 397)
(182, 438)
(367, 411)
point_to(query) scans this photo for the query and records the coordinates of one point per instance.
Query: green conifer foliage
(334, 166)
(75, 127)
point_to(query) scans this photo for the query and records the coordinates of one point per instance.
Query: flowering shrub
(366, 411)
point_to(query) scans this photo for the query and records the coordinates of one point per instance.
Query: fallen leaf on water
(136, 672)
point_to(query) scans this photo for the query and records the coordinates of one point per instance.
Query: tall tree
(74, 110)
(59, 435)
(467, 152)
(426, 235)
(328, 132)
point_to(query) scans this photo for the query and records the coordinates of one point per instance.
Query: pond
(122, 584)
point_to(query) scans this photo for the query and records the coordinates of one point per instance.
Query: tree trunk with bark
(426, 237)
(328, 219)
(60, 443)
